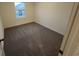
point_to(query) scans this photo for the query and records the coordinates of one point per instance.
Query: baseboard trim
(61, 52)
(19, 25)
(49, 28)
(1, 40)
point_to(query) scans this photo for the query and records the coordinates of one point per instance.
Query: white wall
(53, 15)
(8, 14)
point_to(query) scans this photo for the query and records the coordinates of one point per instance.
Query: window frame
(24, 11)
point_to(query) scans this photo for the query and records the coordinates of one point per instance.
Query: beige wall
(53, 15)
(72, 44)
(69, 27)
(1, 30)
(8, 14)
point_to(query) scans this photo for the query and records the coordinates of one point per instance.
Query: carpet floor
(31, 40)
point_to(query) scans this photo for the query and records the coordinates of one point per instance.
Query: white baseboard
(48, 27)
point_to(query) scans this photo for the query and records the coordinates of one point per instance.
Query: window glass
(20, 9)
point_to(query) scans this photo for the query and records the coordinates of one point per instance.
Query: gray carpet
(31, 40)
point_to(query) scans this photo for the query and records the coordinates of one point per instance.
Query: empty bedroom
(33, 28)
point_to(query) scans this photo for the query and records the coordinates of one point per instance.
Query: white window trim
(19, 17)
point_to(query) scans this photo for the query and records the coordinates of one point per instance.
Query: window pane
(19, 9)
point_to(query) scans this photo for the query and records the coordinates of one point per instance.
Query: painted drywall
(69, 27)
(1, 30)
(53, 15)
(72, 44)
(8, 14)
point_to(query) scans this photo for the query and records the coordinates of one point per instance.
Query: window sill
(19, 17)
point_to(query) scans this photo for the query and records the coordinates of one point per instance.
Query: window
(20, 7)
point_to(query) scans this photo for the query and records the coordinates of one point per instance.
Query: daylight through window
(20, 9)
